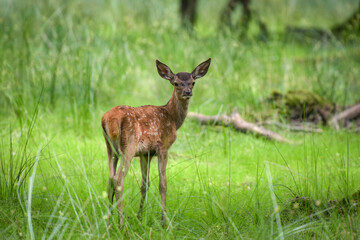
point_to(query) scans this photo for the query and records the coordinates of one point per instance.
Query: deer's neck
(177, 109)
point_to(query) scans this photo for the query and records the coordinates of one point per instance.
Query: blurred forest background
(63, 64)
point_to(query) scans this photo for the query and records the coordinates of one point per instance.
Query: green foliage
(64, 63)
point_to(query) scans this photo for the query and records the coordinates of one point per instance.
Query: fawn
(144, 132)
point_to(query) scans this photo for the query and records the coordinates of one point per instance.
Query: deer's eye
(176, 84)
(193, 83)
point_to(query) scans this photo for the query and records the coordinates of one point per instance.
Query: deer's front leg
(145, 181)
(162, 156)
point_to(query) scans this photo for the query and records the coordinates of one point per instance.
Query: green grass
(65, 63)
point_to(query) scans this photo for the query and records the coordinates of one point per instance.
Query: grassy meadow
(63, 64)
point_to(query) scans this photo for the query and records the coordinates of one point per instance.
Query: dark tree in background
(188, 12)
(247, 15)
(188, 9)
(230, 7)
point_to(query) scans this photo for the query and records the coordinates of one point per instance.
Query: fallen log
(355, 130)
(239, 124)
(294, 128)
(345, 116)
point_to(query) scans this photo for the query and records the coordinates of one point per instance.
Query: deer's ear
(201, 69)
(164, 71)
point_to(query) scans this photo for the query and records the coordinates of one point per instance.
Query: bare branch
(347, 114)
(239, 124)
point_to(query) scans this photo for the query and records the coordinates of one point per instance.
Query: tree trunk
(247, 15)
(188, 12)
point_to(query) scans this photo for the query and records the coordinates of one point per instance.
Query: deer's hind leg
(127, 152)
(113, 157)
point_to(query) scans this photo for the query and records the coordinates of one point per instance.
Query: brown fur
(146, 131)
(146, 127)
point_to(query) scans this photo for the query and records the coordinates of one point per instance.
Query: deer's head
(183, 82)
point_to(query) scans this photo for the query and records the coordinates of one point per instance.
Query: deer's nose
(188, 92)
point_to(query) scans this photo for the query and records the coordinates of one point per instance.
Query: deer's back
(146, 127)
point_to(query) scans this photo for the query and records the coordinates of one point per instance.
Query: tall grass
(64, 63)
(14, 172)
